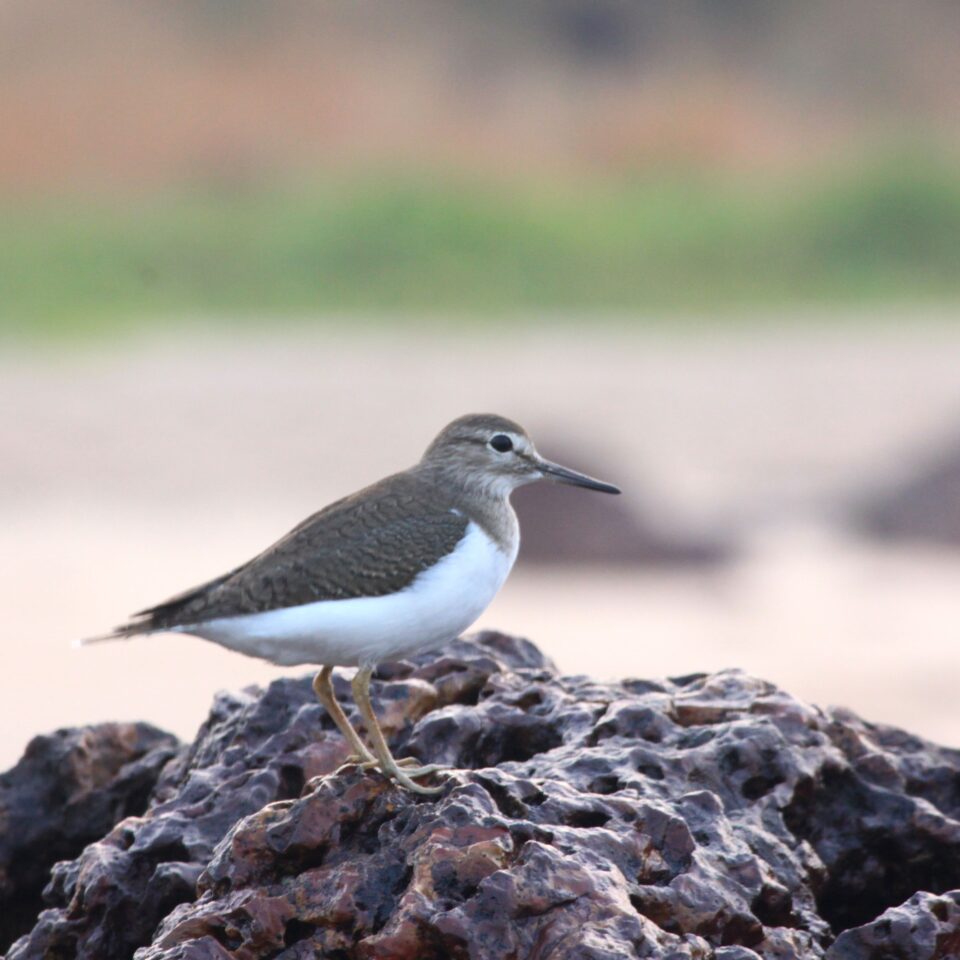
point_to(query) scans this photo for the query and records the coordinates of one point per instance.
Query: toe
(409, 784)
(410, 763)
(422, 771)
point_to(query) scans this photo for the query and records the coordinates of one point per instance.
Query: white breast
(439, 605)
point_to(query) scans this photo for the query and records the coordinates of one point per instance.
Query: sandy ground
(129, 473)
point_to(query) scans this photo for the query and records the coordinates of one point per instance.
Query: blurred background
(254, 255)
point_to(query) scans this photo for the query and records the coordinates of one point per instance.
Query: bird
(401, 566)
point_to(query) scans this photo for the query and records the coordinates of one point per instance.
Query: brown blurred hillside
(114, 93)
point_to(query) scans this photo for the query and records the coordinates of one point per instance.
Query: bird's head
(495, 455)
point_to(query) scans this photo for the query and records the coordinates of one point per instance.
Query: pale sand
(130, 475)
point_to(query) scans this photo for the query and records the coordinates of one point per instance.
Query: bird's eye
(501, 443)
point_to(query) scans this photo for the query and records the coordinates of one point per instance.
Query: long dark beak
(554, 471)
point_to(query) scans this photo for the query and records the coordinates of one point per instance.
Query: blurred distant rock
(564, 524)
(707, 817)
(924, 506)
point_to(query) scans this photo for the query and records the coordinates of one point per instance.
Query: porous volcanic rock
(68, 790)
(708, 816)
(925, 926)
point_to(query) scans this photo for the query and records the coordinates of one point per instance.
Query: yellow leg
(323, 688)
(385, 761)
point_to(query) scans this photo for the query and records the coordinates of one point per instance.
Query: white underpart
(437, 607)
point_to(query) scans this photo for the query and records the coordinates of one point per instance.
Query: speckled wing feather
(369, 544)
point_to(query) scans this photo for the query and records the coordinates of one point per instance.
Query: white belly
(438, 606)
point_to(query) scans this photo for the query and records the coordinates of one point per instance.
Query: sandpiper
(403, 565)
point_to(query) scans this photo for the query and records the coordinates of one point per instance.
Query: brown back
(370, 544)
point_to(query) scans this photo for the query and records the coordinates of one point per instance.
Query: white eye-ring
(501, 443)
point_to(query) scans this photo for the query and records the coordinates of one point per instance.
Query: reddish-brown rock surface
(700, 817)
(67, 791)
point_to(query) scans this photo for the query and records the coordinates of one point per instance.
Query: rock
(68, 790)
(564, 525)
(923, 506)
(707, 816)
(924, 927)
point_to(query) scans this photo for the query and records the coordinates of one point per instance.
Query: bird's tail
(124, 632)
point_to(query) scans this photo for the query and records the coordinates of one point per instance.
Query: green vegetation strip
(462, 251)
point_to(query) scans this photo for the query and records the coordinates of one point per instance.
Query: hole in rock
(136, 804)
(393, 670)
(741, 930)
(517, 741)
(651, 905)
(634, 722)
(587, 818)
(298, 858)
(229, 938)
(450, 886)
(696, 738)
(756, 787)
(171, 851)
(297, 930)
(469, 694)
(291, 782)
(876, 851)
(651, 770)
(434, 945)
(605, 784)
(532, 698)
(773, 907)
(535, 799)
(731, 761)
(506, 803)
(524, 831)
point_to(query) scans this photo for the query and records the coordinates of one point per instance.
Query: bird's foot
(403, 778)
(421, 771)
(410, 765)
(402, 770)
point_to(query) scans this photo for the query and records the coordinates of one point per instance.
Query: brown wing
(369, 544)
